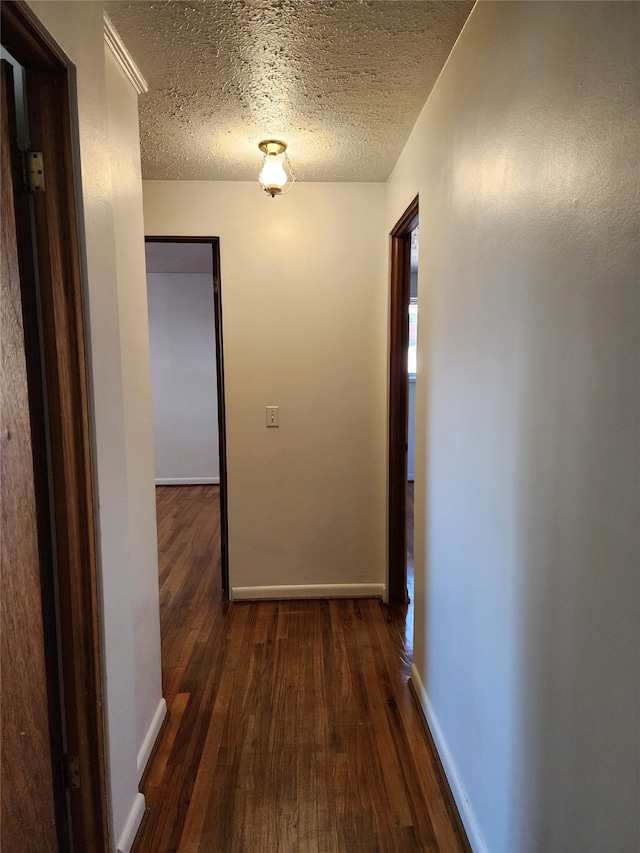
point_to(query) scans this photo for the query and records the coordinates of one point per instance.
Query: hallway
(292, 727)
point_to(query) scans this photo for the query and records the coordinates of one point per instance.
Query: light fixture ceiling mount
(272, 146)
(273, 177)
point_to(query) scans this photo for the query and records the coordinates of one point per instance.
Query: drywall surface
(526, 565)
(304, 296)
(128, 671)
(183, 370)
(124, 147)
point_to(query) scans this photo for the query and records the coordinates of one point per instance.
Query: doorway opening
(402, 371)
(187, 377)
(411, 401)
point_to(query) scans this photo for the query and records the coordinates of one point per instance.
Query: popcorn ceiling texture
(341, 82)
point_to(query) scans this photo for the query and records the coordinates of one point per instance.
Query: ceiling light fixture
(273, 176)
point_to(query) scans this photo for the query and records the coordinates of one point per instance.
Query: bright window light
(413, 332)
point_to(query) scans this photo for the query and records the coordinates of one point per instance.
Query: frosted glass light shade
(273, 173)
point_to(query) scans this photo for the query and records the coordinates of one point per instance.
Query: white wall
(124, 147)
(526, 564)
(111, 231)
(304, 294)
(183, 370)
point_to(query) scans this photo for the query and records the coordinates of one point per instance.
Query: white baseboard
(131, 826)
(316, 590)
(150, 737)
(187, 481)
(137, 809)
(464, 806)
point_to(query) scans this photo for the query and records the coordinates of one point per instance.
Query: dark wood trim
(222, 416)
(449, 799)
(222, 421)
(23, 40)
(400, 251)
(29, 645)
(65, 394)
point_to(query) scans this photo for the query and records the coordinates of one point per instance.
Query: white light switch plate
(273, 416)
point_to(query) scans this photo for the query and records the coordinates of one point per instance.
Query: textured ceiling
(341, 82)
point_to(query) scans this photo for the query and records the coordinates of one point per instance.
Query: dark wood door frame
(222, 416)
(58, 393)
(398, 399)
(31, 794)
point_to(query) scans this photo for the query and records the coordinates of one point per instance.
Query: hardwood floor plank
(292, 726)
(218, 746)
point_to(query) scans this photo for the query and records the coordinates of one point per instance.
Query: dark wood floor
(291, 726)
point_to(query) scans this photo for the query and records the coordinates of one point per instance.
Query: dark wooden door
(27, 807)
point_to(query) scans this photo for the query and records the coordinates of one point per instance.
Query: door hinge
(33, 171)
(71, 765)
